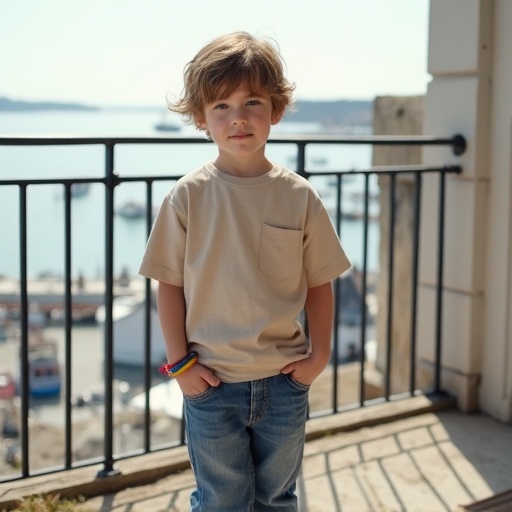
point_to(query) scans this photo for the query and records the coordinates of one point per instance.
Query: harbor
(47, 415)
(47, 411)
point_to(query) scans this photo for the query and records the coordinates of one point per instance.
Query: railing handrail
(384, 170)
(457, 142)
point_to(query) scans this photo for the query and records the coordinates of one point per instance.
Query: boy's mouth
(240, 135)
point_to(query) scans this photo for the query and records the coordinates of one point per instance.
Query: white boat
(165, 397)
(128, 315)
(166, 125)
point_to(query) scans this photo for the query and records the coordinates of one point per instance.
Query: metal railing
(111, 180)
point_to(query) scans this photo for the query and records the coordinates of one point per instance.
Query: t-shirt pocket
(281, 253)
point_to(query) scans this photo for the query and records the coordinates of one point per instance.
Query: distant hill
(14, 105)
(333, 114)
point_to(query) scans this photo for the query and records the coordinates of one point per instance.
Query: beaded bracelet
(181, 366)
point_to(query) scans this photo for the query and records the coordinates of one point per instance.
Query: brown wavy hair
(224, 64)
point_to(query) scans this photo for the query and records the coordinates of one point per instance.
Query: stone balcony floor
(411, 455)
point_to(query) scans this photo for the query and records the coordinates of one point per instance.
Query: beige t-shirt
(245, 250)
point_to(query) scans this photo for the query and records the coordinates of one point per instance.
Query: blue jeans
(246, 442)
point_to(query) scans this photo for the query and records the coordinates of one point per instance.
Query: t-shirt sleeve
(324, 257)
(163, 258)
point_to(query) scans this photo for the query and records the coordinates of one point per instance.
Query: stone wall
(396, 116)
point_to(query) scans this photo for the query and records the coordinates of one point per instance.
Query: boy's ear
(200, 122)
(276, 117)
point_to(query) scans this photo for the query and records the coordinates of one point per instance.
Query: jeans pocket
(296, 384)
(200, 397)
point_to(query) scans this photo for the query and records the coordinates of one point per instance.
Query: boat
(359, 195)
(7, 385)
(358, 215)
(315, 159)
(128, 315)
(319, 160)
(165, 397)
(44, 369)
(131, 210)
(80, 189)
(167, 127)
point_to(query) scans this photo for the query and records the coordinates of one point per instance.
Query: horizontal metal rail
(457, 142)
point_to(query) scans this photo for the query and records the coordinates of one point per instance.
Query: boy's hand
(196, 380)
(306, 370)
(320, 313)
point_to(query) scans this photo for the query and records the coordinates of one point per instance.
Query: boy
(240, 247)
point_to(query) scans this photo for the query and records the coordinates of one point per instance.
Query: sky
(132, 52)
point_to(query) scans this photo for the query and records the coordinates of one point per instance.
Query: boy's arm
(320, 312)
(172, 313)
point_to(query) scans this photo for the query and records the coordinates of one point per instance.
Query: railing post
(301, 159)
(24, 363)
(414, 279)
(362, 354)
(337, 301)
(439, 286)
(147, 326)
(68, 323)
(391, 264)
(111, 181)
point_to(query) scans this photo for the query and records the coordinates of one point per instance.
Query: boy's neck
(243, 167)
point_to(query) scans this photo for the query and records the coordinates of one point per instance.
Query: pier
(46, 296)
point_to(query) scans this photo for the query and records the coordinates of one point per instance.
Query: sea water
(45, 215)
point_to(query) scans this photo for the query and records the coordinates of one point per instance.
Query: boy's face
(240, 123)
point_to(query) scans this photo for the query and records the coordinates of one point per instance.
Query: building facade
(470, 48)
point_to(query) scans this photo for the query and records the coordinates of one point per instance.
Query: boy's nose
(238, 117)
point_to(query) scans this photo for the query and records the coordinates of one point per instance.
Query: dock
(46, 296)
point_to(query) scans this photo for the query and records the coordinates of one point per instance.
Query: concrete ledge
(140, 470)
(377, 414)
(146, 469)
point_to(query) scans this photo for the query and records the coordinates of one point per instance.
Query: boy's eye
(220, 106)
(253, 102)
